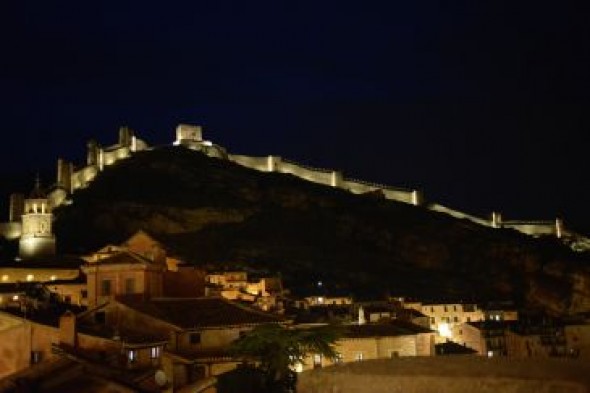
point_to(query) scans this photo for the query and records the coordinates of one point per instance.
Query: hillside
(219, 214)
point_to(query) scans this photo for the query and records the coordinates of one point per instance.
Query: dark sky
(483, 105)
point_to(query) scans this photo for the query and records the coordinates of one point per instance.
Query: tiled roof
(124, 334)
(392, 328)
(123, 257)
(195, 313)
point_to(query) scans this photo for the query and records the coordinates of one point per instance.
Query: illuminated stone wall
(450, 374)
(190, 136)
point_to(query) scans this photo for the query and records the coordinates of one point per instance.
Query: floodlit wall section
(69, 181)
(457, 214)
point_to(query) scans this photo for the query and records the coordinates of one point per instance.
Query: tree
(280, 349)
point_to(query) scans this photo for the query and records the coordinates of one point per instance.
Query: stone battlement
(70, 179)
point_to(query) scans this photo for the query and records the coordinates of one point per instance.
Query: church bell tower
(37, 238)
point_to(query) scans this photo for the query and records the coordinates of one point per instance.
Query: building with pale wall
(370, 341)
(444, 318)
(235, 285)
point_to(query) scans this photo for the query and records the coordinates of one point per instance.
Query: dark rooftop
(197, 313)
(391, 328)
(123, 257)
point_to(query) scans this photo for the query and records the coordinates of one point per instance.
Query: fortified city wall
(69, 179)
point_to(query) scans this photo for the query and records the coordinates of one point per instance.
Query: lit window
(320, 300)
(132, 355)
(30, 277)
(155, 352)
(53, 277)
(490, 354)
(338, 358)
(317, 360)
(358, 357)
(5, 277)
(15, 298)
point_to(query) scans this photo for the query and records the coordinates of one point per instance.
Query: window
(35, 357)
(338, 358)
(100, 317)
(195, 338)
(132, 355)
(84, 293)
(432, 320)
(68, 299)
(155, 352)
(317, 360)
(456, 319)
(394, 354)
(129, 285)
(454, 308)
(445, 308)
(358, 357)
(468, 319)
(106, 287)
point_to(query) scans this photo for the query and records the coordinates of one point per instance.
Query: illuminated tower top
(37, 238)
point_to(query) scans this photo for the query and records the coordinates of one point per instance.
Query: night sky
(483, 105)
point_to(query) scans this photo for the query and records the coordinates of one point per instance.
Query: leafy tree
(279, 349)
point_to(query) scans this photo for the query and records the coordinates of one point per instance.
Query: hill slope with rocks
(218, 214)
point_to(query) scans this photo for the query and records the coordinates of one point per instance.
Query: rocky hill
(218, 214)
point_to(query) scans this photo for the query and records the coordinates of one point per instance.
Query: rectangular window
(132, 355)
(100, 318)
(432, 320)
(35, 357)
(394, 354)
(468, 319)
(106, 288)
(317, 360)
(456, 319)
(129, 285)
(338, 358)
(155, 352)
(358, 357)
(84, 293)
(195, 338)
(445, 308)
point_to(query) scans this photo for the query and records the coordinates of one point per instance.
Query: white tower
(37, 238)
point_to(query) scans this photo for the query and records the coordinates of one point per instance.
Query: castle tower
(188, 135)
(37, 238)
(17, 206)
(125, 136)
(92, 155)
(64, 175)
